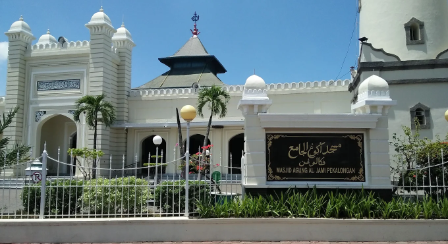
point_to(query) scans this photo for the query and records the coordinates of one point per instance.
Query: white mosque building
(405, 58)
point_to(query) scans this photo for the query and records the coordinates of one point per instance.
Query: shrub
(127, 195)
(101, 196)
(171, 195)
(332, 205)
(61, 195)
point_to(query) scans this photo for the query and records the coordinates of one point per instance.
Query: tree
(96, 110)
(416, 157)
(19, 152)
(216, 99)
(89, 156)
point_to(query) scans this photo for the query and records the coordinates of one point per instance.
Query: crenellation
(316, 85)
(59, 47)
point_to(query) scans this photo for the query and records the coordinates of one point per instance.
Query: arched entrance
(149, 147)
(57, 132)
(236, 147)
(196, 142)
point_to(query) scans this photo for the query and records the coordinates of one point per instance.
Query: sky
(282, 40)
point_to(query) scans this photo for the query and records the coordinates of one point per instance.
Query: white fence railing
(129, 191)
(418, 182)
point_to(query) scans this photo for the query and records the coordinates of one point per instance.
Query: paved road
(282, 242)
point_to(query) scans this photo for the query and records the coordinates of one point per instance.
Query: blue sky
(283, 40)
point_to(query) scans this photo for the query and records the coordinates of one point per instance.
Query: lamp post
(157, 140)
(188, 113)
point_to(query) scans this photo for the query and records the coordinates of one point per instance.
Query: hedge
(126, 195)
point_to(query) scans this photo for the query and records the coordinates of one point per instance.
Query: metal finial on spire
(101, 9)
(195, 18)
(48, 31)
(21, 18)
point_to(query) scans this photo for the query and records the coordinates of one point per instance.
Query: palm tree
(216, 100)
(96, 109)
(18, 152)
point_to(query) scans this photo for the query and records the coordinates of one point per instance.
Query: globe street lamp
(188, 113)
(157, 140)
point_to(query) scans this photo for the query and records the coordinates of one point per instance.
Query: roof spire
(195, 18)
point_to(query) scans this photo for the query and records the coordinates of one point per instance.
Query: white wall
(382, 21)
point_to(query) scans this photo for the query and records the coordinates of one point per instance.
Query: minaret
(122, 40)
(409, 29)
(20, 38)
(102, 70)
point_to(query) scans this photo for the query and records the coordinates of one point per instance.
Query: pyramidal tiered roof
(191, 65)
(192, 47)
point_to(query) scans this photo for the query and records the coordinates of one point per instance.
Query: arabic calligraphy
(310, 152)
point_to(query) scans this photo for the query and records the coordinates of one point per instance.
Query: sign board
(36, 177)
(315, 157)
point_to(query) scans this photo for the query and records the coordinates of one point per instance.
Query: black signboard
(315, 157)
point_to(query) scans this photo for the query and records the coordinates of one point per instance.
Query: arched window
(414, 32)
(236, 147)
(420, 114)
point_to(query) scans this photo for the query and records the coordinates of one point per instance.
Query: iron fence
(129, 191)
(417, 182)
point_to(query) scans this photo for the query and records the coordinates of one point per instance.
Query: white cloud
(3, 51)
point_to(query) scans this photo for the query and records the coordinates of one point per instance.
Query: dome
(255, 82)
(122, 33)
(20, 25)
(100, 18)
(47, 39)
(373, 83)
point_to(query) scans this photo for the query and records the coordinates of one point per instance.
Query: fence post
(43, 182)
(243, 175)
(429, 170)
(187, 170)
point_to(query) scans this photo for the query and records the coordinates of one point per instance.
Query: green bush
(60, 195)
(332, 205)
(127, 195)
(171, 195)
(101, 196)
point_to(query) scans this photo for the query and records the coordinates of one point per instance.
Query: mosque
(404, 57)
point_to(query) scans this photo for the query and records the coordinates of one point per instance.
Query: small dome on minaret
(100, 18)
(20, 26)
(47, 38)
(122, 34)
(255, 82)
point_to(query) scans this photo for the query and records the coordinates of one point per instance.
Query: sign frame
(361, 175)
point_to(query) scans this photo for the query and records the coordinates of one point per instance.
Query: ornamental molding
(51, 85)
(372, 94)
(275, 120)
(39, 115)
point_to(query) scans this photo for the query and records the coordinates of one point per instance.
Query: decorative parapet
(238, 89)
(373, 95)
(67, 45)
(252, 93)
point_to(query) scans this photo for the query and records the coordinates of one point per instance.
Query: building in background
(407, 46)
